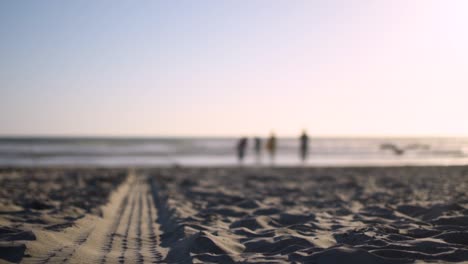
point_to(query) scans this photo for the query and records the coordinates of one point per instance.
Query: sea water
(66, 151)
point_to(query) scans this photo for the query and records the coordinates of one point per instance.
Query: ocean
(118, 152)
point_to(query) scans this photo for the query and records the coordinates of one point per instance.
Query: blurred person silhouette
(241, 147)
(304, 145)
(258, 148)
(271, 146)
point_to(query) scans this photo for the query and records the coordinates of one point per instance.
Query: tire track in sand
(63, 253)
(113, 235)
(127, 224)
(145, 235)
(135, 232)
(152, 236)
(128, 232)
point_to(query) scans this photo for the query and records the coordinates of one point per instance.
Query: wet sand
(229, 215)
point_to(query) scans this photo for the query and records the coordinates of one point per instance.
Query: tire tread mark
(111, 236)
(153, 238)
(127, 231)
(64, 253)
(138, 238)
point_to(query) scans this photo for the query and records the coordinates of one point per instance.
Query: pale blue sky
(233, 67)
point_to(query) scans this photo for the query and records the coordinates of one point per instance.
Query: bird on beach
(396, 150)
(401, 150)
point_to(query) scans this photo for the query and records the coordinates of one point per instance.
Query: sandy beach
(233, 132)
(234, 215)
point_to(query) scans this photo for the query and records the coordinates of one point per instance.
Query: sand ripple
(354, 215)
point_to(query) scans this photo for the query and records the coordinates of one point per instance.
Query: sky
(228, 68)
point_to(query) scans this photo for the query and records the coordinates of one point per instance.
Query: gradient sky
(234, 67)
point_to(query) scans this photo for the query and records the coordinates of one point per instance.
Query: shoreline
(245, 167)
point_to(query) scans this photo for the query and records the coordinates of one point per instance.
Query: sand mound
(349, 255)
(360, 215)
(33, 200)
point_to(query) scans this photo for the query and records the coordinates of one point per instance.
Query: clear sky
(179, 68)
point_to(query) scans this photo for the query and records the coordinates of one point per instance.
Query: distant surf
(63, 151)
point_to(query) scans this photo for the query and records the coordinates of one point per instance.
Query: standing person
(304, 145)
(258, 148)
(271, 146)
(241, 146)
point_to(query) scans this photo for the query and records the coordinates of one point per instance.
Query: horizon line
(122, 136)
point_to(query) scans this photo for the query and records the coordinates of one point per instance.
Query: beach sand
(229, 215)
